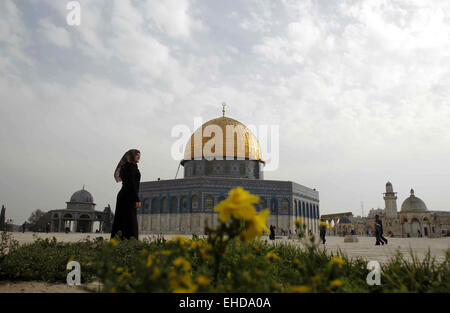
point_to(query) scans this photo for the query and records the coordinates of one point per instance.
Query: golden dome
(242, 135)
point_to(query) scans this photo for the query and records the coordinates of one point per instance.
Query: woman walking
(125, 218)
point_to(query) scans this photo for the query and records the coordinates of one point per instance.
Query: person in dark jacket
(322, 230)
(125, 223)
(272, 232)
(379, 222)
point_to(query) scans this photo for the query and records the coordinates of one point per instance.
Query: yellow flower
(338, 261)
(296, 261)
(228, 274)
(71, 258)
(336, 283)
(124, 275)
(156, 272)
(173, 282)
(113, 242)
(180, 261)
(196, 244)
(323, 224)
(185, 280)
(203, 281)
(316, 278)
(204, 252)
(256, 225)
(119, 269)
(149, 260)
(300, 289)
(181, 240)
(113, 290)
(239, 205)
(298, 221)
(272, 256)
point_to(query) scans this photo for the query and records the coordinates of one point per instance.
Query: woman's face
(137, 157)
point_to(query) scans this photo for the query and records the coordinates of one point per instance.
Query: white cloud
(172, 17)
(54, 34)
(14, 39)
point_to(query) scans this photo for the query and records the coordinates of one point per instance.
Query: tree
(38, 221)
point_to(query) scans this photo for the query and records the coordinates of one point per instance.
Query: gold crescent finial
(223, 108)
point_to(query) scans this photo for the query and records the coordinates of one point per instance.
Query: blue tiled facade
(195, 197)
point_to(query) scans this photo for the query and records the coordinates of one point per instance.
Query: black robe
(125, 218)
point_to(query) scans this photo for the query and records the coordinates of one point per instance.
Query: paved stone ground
(365, 248)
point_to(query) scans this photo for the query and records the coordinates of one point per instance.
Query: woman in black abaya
(125, 218)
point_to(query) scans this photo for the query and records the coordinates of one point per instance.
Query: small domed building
(185, 206)
(414, 218)
(344, 226)
(80, 215)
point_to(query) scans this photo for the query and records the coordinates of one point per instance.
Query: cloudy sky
(359, 89)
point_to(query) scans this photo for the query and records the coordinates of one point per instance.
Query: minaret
(390, 199)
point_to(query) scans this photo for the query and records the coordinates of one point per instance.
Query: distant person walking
(379, 232)
(272, 232)
(380, 222)
(322, 230)
(125, 218)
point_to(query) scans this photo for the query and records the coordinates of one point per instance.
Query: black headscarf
(127, 157)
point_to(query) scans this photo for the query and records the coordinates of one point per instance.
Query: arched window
(285, 206)
(194, 202)
(262, 204)
(273, 206)
(209, 203)
(145, 206)
(164, 206)
(68, 216)
(184, 204)
(173, 205)
(155, 205)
